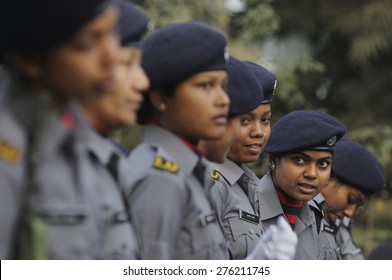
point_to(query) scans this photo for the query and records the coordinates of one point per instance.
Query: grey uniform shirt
(237, 206)
(329, 248)
(344, 239)
(170, 207)
(308, 247)
(108, 168)
(67, 196)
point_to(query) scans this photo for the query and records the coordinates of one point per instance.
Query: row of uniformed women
(173, 203)
(74, 202)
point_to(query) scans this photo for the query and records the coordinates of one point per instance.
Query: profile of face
(217, 150)
(118, 107)
(342, 199)
(303, 174)
(198, 107)
(254, 134)
(84, 64)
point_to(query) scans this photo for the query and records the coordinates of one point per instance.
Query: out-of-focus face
(119, 107)
(199, 107)
(217, 150)
(342, 199)
(302, 175)
(254, 135)
(85, 64)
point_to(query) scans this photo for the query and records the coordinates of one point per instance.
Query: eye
(206, 85)
(353, 199)
(265, 120)
(245, 120)
(84, 45)
(298, 160)
(224, 86)
(324, 163)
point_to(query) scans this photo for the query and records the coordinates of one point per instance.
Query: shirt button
(251, 231)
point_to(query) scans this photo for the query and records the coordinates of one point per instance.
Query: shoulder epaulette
(9, 152)
(166, 165)
(215, 174)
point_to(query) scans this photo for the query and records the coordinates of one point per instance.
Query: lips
(254, 148)
(308, 189)
(220, 119)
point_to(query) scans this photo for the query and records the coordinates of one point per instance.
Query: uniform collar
(231, 171)
(270, 206)
(90, 138)
(173, 146)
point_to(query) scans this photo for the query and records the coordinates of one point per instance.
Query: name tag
(249, 217)
(328, 229)
(69, 218)
(207, 219)
(119, 217)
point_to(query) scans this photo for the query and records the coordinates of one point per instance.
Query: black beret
(304, 130)
(357, 166)
(37, 26)
(382, 251)
(267, 80)
(244, 91)
(177, 51)
(133, 23)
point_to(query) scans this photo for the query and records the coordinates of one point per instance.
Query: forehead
(219, 74)
(352, 190)
(260, 110)
(313, 154)
(102, 23)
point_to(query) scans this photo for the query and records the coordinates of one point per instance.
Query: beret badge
(332, 141)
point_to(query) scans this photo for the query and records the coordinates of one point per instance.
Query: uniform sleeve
(348, 248)
(157, 210)
(10, 204)
(218, 199)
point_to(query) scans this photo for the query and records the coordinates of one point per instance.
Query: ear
(158, 100)
(28, 66)
(272, 161)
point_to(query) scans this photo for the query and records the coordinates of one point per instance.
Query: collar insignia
(9, 153)
(166, 165)
(215, 175)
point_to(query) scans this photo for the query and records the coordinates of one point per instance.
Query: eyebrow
(308, 156)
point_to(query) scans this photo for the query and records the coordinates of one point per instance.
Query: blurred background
(334, 56)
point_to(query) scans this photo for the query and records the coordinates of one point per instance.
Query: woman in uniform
(250, 89)
(356, 176)
(300, 152)
(169, 190)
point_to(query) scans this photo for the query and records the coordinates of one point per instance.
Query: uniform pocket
(207, 239)
(245, 236)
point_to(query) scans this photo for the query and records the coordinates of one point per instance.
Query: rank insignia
(215, 175)
(166, 165)
(9, 153)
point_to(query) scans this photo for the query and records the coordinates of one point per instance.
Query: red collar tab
(68, 120)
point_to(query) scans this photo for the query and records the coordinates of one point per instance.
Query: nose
(310, 172)
(142, 82)
(222, 99)
(110, 51)
(257, 130)
(350, 211)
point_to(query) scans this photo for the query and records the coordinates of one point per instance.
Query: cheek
(324, 178)
(267, 134)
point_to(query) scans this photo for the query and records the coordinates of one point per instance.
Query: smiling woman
(300, 154)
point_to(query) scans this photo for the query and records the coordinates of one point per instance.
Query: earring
(272, 165)
(162, 107)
